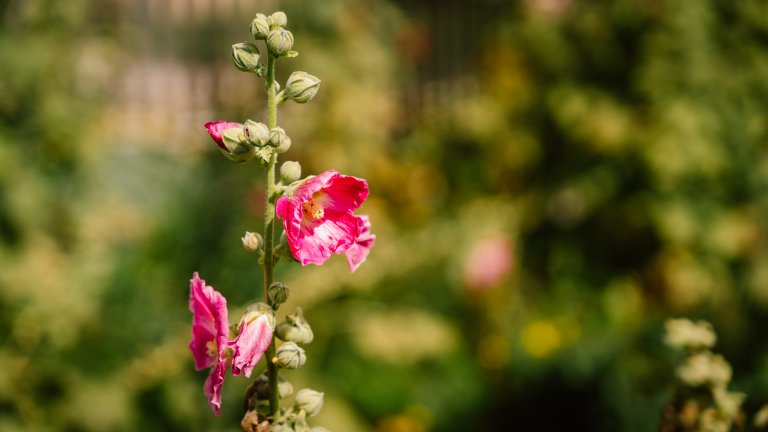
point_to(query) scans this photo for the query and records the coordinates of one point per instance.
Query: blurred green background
(550, 180)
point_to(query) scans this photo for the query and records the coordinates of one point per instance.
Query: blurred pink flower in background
(489, 262)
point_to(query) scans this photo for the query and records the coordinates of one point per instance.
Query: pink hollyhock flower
(256, 329)
(489, 262)
(216, 130)
(318, 217)
(210, 329)
(357, 253)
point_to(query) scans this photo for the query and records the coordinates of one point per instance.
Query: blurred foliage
(550, 180)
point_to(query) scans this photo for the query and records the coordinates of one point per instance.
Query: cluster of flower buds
(703, 401)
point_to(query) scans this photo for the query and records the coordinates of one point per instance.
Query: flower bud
(261, 387)
(279, 19)
(256, 133)
(252, 241)
(260, 27)
(290, 356)
(277, 137)
(300, 423)
(290, 171)
(280, 41)
(278, 294)
(295, 328)
(301, 87)
(236, 148)
(310, 401)
(245, 56)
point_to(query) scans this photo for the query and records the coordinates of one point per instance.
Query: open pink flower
(256, 328)
(318, 217)
(210, 329)
(357, 253)
(216, 130)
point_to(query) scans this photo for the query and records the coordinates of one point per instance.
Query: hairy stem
(269, 229)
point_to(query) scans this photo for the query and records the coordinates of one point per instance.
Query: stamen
(212, 348)
(312, 210)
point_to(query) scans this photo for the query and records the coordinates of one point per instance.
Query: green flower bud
(245, 56)
(279, 140)
(300, 423)
(261, 387)
(236, 148)
(279, 19)
(256, 133)
(310, 401)
(290, 356)
(252, 241)
(278, 293)
(280, 41)
(302, 87)
(295, 328)
(290, 171)
(260, 27)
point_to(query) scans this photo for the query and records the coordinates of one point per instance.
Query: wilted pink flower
(318, 217)
(256, 328)
(357, 253)
(216, 130)
(489, 261)
(210, 329)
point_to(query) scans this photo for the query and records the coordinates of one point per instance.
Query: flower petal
(250, 345)
(214, 383)
(216, 130)
(315, 242)
(210, 326)
(358, 252)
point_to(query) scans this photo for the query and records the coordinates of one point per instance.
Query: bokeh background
(551, 180)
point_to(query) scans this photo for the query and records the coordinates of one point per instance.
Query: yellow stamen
(312, 210)
(212, 348)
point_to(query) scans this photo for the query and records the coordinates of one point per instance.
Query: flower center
(312, 210)
(212, 348)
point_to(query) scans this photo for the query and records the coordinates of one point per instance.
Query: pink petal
(250, 345)
(336, 192)
(216, 130)
(214, 383)
(315, 243)
(358, 252)
(210, 326)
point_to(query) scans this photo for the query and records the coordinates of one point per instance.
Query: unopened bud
(290, 356)
(260, 27)
(301, 87)
(279, 19)
(261, 387)
(246, 56)
(256, 133)
(310, 401)
(295, 328)
(280, 41)
(279, 140)
(252, 241)
(236, 148)
(300, 423)
(278, 294)
(290, 171)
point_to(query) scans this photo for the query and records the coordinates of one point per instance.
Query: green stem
(269, 229)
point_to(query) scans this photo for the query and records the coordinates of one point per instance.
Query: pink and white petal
(344, 194)
(250, 345)
(214, 383)
(209, 321)
(216, 130)
(314, 184)
(318, 241)
(358, 252)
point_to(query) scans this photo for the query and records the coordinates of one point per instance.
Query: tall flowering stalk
(317, 214)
